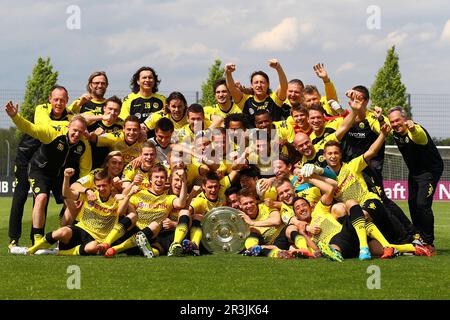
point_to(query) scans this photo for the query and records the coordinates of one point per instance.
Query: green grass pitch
(217, 277)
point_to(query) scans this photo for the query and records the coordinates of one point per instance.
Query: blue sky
(182, 38)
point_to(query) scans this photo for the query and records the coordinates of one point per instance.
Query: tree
(388, 90)
(39, 86)
(215, 72)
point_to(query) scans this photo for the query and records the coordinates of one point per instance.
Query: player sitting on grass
(152, 206)
(96, 219)
(340, 235)
(267, 232)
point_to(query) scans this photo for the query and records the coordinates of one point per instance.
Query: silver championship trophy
(224, 231)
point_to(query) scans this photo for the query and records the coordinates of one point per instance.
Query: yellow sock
(375, 233)
(180, 232)
(300, 242)
(404, 247)
(196, 235)
(127, 244)
(273, 253)
(75, 251)
(37, 237)
(115, 234)
(250, 242)
(155, 252)
(39, 243)
(359, 225)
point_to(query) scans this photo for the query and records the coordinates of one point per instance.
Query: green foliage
(442, 141)
(388, 90)
(215, 72)
(39, 85)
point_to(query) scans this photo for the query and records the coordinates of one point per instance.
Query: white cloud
(345, 67)
(445, 35)
(282, 37)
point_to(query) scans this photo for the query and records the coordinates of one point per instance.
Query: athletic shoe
(43, 252)
(253, 251)
(18, 250)
(303, 253)
(175, 250)
(39, 244)
(12, 244)
(284, 254)
(143, 244)
(102, 248)
(190, 247)
(431, 248)
(422, 251)
(364, 254)
(388, 253)
(110, 253)
(329, 252)
(418, 241)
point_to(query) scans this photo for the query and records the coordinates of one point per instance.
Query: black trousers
(406, 230)
(20, 197)
(421, 189)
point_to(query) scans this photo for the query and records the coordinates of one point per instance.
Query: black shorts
(347, 240)
(79, 237)
(381, 218)
(281, 241)
(41, 183)
(164, 240)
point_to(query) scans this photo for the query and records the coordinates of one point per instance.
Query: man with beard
(94, 99)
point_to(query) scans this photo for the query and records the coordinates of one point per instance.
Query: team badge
(37, 189)
(361, 125)
(406, 140)
(138, 115)
(60, 147)
(79, 149)
(321, 158)
(155, 105)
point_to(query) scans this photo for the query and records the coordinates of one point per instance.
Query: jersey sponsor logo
(96, 206)
(372, 206)
(344, 183)
(152, 206)
(358, 135)
(138, 115)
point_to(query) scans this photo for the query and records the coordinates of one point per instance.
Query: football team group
(138, 175)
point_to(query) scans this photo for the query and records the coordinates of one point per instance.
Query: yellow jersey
(269, 234)
(351, 183)
(140, 106)
(98, 217)
(116, 141)
(151, 207)
(322, 218)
